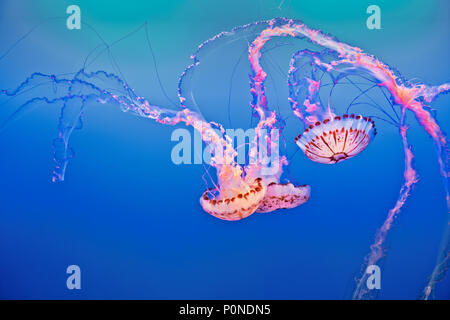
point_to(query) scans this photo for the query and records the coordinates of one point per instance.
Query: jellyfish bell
(279, 195)
(336, 139)
(284, 196)
(239, 206)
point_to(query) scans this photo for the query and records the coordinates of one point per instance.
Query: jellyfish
(331, 138)
(237, 194)
(284, 196)
(325, 138)
(336, 139)
(328, 137)
(277, 194)
(235, 207)
(239, 190)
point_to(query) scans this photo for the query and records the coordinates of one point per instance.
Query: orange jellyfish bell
(284, 196)
(237, 207)
(335, 140)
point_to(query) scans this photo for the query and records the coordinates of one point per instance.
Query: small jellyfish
(337, 139)
(339, 61)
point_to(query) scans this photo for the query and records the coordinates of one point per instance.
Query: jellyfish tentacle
(377, 249)
(408, 96)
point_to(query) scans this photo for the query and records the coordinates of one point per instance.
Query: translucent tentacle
(377, 249)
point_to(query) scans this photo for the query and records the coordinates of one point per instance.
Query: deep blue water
(131, 219)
